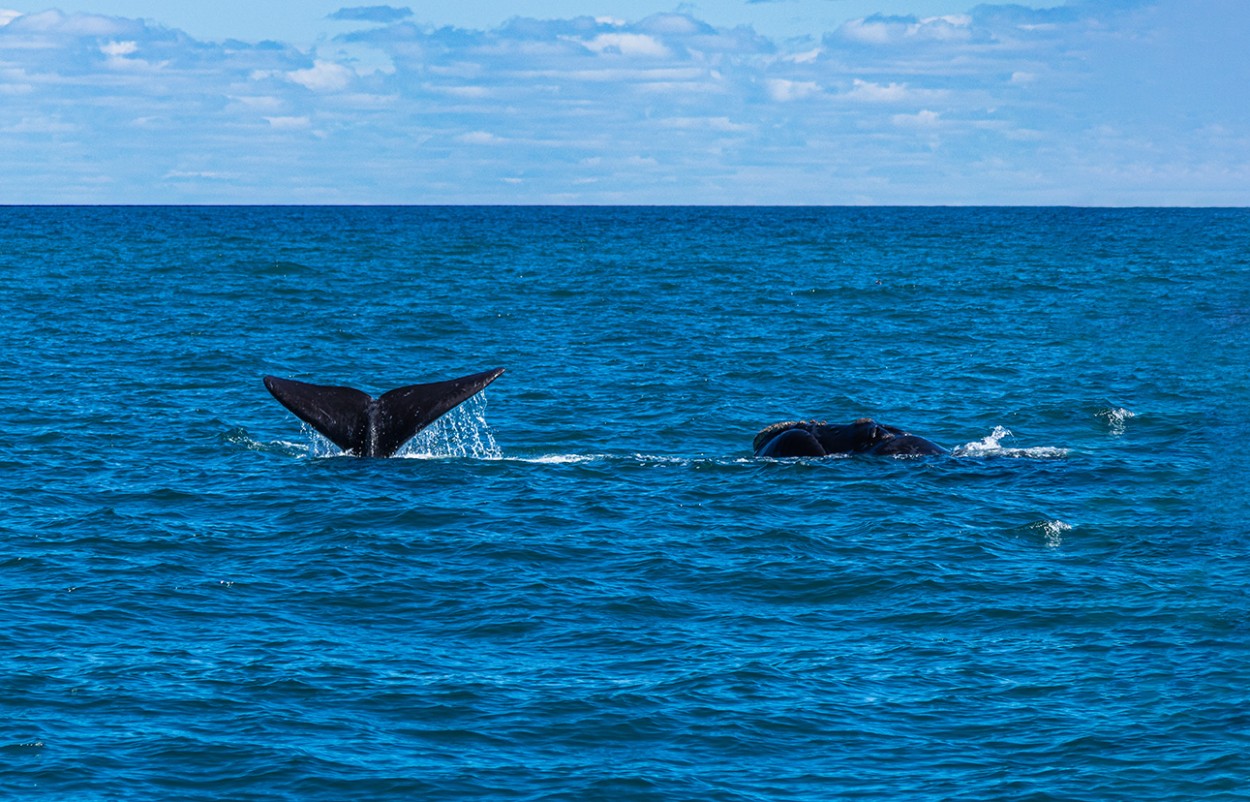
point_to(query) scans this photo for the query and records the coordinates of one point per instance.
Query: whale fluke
(375, 427)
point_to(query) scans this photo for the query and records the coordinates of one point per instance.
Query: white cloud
(118, 55)
(70, 25)
(719, 124)
(627, 44)
(463, 91)
(784, 91)
(118, 49)
(479, 138)
(288, 123)
(711, 111)
(323, 76)
(673, 24)
(211, 175)
(921, 119)
(805, 57)
(883, 30)
(261, 103)
(15, 82)
(869, 92)
(40, 125)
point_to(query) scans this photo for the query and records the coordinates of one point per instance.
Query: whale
(364, 426)
(819, 439)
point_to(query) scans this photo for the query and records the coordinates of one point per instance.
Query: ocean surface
(580, 585)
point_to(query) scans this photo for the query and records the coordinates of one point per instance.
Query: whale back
(862, 436)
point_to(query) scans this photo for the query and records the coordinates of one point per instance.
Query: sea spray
(462, 432)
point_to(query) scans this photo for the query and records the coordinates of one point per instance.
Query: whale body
(365, 426)
(819, 439)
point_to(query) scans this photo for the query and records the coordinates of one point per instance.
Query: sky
(820, 102)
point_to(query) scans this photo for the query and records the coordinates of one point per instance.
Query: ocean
(580, 584)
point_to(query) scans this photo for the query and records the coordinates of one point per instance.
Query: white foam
(1051, 531)
(1115, 419)
(991, 446)
(557, 459)
(574, 459)
(240, 438)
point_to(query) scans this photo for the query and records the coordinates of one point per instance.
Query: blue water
(580, 585)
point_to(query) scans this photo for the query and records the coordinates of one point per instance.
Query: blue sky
(1090, 102)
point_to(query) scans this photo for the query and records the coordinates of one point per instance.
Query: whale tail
(375, 427)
